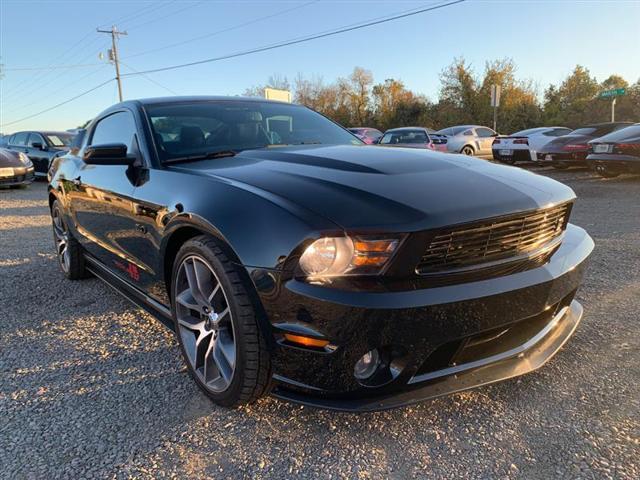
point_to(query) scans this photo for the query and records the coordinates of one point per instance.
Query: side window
(36, 138)
(19, 139)
(468, 133)
(116, 128)
(484, 132)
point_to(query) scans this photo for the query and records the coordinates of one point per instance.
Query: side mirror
(38, 146)
(107, 154)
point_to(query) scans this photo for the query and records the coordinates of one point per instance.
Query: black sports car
(15, 169)
(571, 150)
(41, 147)
(290, 257)
(616, 153)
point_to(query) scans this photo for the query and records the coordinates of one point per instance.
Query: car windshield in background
(199, 128)
(59, 140)
(584, 131)
(524, 133)
(623, 134)
(404, 136)
(452, 131)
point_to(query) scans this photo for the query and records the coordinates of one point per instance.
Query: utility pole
(495, 103)
(613, 109)
(114, 54)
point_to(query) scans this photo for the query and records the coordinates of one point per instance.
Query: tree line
(464, 98)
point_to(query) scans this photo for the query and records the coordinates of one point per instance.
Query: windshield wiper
(203, 156)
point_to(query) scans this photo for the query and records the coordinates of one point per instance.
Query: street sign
(495, 95)
(616, 92)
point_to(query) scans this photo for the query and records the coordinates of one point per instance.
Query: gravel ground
(91, 387)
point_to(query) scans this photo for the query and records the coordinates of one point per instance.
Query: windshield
(404, 136)
(193, 129)
(623, 134)
(524, 133)
(60, 139)
(583, 131)
(452, 130)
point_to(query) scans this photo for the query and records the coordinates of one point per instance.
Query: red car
(366, 134)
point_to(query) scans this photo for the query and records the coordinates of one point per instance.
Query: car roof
(43, 132)
(199, 98)
(604, 124)
(404, 128)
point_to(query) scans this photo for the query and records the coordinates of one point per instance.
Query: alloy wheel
(61, 237)
(205, 324)
(467, 151)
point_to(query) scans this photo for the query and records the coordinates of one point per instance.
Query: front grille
(485, 243)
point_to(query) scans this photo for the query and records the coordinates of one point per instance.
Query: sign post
(495, 103)
(613, 95)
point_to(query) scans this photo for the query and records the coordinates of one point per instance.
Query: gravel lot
(93, 387)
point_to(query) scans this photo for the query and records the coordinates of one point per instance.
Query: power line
(224, 30)
(56, 67)
(298, 40)
(150, 79)
(59, 104)
(157, 19)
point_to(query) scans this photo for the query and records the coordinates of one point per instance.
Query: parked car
(41, 147)
(411, 137)
(469, 139)
(15, 169)
(340, 277)
(367, 135)
(571, 150)
(523, 146)
(616, 153)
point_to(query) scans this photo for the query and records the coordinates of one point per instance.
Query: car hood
(392, 189)
(9, 158)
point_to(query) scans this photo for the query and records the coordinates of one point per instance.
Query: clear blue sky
(545, 38)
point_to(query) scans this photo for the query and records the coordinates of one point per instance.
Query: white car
(468, 139)
(524, 146)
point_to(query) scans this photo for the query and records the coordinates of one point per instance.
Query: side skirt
(134, 295)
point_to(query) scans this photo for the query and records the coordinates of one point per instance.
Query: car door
(101, 201)
(485, 138)
(37, 151)
(18, 142)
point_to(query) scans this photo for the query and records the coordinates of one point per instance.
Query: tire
(605, 172)
(216, 325)
(68, 249)
(468, 150)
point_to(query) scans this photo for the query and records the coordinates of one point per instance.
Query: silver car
(469, 139)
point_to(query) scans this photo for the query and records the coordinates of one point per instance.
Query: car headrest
(191, 136)
(243, 116)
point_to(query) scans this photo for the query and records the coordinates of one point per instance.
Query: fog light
(367, 365)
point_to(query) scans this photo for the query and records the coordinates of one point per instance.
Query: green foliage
(464, 98)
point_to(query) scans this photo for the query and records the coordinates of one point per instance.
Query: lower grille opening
(491, 342)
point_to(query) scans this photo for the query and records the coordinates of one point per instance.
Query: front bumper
(436, 340)
(21, 176)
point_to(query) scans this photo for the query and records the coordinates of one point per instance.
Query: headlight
(335, 256)
(24, 159)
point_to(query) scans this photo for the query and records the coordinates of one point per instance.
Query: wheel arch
(191, 227)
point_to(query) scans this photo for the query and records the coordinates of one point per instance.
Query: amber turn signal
(306, 341)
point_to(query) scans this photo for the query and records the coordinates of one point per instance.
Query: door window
(20, 139)
(485, 132)
(116, 128)
(35, 138)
